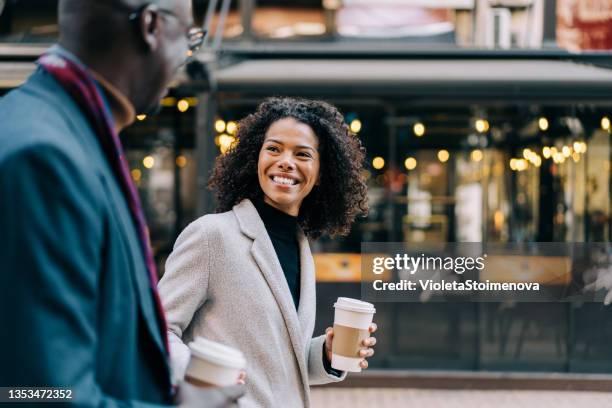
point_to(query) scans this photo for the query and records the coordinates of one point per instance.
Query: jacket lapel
(307, 287)
(267, 261)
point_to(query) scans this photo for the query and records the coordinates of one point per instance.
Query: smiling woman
(288, 165)
(245, 277)
(337, 194)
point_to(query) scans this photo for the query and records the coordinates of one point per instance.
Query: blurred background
(484, 121)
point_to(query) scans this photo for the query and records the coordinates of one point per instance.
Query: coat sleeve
(183, 289)
(52, 236)
(316, 371)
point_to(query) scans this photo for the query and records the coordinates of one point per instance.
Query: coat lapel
(267, 261)
(307, 287)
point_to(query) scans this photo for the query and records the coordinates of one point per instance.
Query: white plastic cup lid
(217, 353)
(354, 305)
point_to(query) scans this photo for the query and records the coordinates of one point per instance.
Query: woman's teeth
(283, 180)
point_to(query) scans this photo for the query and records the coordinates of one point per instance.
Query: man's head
(137, 45)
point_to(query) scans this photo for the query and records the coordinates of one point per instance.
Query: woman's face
(288, 166)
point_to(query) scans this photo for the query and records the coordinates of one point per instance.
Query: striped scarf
(80, 85)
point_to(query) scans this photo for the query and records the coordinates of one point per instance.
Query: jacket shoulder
(37, 113)
(215, 225)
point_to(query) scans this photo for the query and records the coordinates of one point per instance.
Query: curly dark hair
(341, 195)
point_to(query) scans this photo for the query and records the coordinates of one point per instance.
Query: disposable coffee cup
(352, 321)
(213, 364)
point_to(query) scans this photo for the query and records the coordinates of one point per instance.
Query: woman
(245, 276)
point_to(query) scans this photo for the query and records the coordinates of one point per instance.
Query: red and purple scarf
(80, 85)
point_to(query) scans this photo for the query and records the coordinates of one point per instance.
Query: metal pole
(247, 8)
(206, 150)
(225, 6)
(210, 12)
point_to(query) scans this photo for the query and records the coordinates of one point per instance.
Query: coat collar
(299, 325)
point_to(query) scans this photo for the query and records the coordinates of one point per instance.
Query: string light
(543, 124)
(182, 105)
(567, 152)
(537, 161)
(558, 157)
(225, 142)
(546, 152)
(521, 164)
(231, 127)
(181, 161)
(141, 117)
(605, 123)
(168, 102)
(481, 125)
(136, 174)
(355, 125)
(410, 163)
(220, 126)
(378, 163)
(418, 129)
(443, 156)
(476, 155)
(148, 162)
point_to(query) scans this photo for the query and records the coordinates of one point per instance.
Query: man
(78, 301)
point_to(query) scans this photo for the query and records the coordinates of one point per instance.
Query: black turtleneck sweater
(282, 229)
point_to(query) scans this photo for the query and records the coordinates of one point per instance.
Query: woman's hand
(364, 353)
(242, 378)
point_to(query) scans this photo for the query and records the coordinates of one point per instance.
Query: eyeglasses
(195, 35)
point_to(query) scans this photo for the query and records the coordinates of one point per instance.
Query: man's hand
(190, 396)
(364, 353)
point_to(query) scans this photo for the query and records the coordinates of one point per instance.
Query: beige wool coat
(224, 282)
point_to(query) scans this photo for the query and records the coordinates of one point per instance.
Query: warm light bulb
(231, 127)
(418, 129)
(481, 125)
(220, 126)
(410, 163)
(148, 162)
(567, 152)
(181, 161)
(378, 163)
(182, 105)
(443, 156)
(513, 164)
(136, 174)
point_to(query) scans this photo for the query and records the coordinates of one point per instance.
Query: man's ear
(150, 26)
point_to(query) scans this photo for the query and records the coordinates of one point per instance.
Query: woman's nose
(286, 162)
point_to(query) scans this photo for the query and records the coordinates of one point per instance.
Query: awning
(548, 79)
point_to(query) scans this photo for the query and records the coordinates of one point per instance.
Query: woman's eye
(304, 154)
(272, 148)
